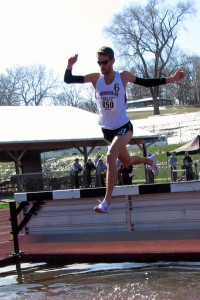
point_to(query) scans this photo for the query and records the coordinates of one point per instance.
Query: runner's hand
(71, 61)
(180, 74)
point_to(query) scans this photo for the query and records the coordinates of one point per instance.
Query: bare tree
(89, 99)
(70, 95)
(77, 96)
(9, 93)
(186, 91)
(193, 70)
(145, 36)
(34, 84)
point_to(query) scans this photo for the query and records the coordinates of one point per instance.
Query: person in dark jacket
(187, 165)
(126, 173)
(89, 166)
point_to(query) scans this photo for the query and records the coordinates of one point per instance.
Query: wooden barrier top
(184, 186)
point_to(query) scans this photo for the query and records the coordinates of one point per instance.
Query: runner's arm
(150, 82)
(69, 78)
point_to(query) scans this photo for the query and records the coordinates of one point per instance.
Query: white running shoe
(102, 208)
(154, 167)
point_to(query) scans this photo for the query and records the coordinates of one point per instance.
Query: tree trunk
(155, 93)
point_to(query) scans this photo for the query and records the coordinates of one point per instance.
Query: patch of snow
(179, 128)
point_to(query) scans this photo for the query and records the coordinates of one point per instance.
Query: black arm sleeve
(149, 82)
(69, 78)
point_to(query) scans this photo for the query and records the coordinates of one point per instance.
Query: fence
(47, 181)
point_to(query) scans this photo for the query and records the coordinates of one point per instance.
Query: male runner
(110, 87)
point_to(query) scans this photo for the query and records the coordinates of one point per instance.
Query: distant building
(148, 102)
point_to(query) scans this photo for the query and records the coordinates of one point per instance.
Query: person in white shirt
(110, 89)
(100, 173)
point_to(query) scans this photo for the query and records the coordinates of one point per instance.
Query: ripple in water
(119, 281)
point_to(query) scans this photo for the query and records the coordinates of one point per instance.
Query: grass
(135, 115)
(3, 206)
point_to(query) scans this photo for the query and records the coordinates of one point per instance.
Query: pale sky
(49, 31)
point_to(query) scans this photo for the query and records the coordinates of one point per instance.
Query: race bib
(108, 103)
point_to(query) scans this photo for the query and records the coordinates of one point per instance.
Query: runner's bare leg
(118, 150)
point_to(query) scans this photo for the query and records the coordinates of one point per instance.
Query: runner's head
(106, 51)
(105, 59)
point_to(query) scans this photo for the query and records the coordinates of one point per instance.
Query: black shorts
(109, 134)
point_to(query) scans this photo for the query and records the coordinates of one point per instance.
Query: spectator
(97, 159)
(76, 168)
(187, 159)
(100, 173)
(89, 166)
(173, 162)
(127, 175)
(187, 165)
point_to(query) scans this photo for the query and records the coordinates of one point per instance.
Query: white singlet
(111, 103)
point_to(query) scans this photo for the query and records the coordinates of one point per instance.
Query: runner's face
(105, 64)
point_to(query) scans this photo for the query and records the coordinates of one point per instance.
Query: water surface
(116, 281)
